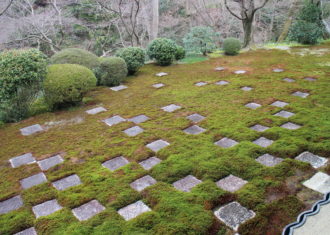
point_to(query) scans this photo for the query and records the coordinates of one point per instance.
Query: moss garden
(188, 181)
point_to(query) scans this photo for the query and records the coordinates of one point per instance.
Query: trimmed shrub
(180, 53)
(66, 84)
(163, 51)
(111, 72)
(231, 46)
(76, 56)
(134, 58)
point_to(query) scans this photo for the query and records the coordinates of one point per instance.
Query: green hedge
(180, 53)
(111, 72)
(163, 51)
(134, 58)
(231, 46)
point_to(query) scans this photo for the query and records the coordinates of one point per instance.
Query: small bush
(180, 53)
(305, 32)
(76, 56)
(231, 46)
(162, 50)
(111, 72)
(134, 58)
(66, 84)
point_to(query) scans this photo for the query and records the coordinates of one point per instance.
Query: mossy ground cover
(273, 193)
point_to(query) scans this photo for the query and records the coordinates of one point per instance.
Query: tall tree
(288, 21)
(155, 19)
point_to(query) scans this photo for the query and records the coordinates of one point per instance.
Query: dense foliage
(111, 71)
(231, 46)
(180, 53)
(163, 51)
(134, 58)
(66, 84)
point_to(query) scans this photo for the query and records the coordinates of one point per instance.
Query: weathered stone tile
(259, 128)
(96, 110)
(114, 120)
(240, 72)
(269, 160)
(161, 74)
(133, 210)
(115, 163)
(288, 80)
(263, 142)
(279, 104)
(284, 114)
(133, 131)
(194, 130)
(48, 163)
(320, 182)
(33, 180)
(278, 70)
(46, 208)
(231, 183)
(226, 142)
(157, 145)
(139, 119)
(11, 204)
(246, 88)
(67, 182)
(233, 215)
(158, 85)
(219, 69)
(187, 183)
(142, 183)
(291, 126)
(29, 231)
(221, 83)
(200, 84)
(22, 160)
(88, 210)
(150, 163)
(315, 160)
(30, 130)
(310, 79)
(253, 105)
(300, 94)
(119, 88)
(196, 118)
(171, 108)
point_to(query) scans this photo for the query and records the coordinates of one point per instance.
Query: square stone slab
(187, 183)
(315, 160)
(96, 110)
(119, 88)
(50, 162)
(157, 145)
(114, 120)
(133, 131)
(263, 142)
(171, 108)
(269, 160)
(219, 68)
(246, 88)
(158, 85)
(196, 118)
(133, 210)
(88, 210)
(288, 80)
(142, 183)
(279, 104)
(67, 182)
(200, 84)
(11, 204)
(46, 208)
(115, 163)
(221, 83)
(150, 163)
(310, 79)
(33, 180)
(161, 74)
(139, 119)
(30, 130)
(22, 160)
(231, 183)
(234, 214)
(277, 70)
(259, 128)
(253, 105)
(29, 231)
(240, 72)
(284, 114)
(226, 142)
(300, 94)
(194, 130)
(291, 126)
(320, 182)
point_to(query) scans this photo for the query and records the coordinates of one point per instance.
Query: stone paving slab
(161, 74)
(233, 215)
(290, 126)
(67, 182)
(278, 70)
(200, 84)
(263, 142)
(196, 118)
(48, 163)
(11, 204)
(226, 142)
(240, 72)
(30, 130)
(46, 208)
(29, 231)
(139, 119)
(313, 159)
(133, 210)
(119, 88)
(219, 69)
(253, 105)
(221, 83)
(22, 160)
(246, 88)
(133, 131)
(194, 130)
(115, 163)
(300, 94)
(310, 79)
(157, 145)
(114, 120)
(33, 180)
(269, 160)
(320, 182)
(150, 163)
(96, 110)
(231, 183)
(288, 80)
(187, 183)
(88, 210)
(142, 183)
(279, 104)
(284, 114)
(171, 108)
(259, 128)
(158, 85)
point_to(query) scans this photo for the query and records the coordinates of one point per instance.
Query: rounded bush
(162, 50)
(111, 71)
(180, 53)
(305, 32)
(231, 46)
(66, 84)
(134, 58)
(75, 56)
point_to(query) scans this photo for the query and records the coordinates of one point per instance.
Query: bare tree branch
(231, 12)
(6, 8)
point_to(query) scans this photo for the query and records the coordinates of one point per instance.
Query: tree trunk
(288, 21)
(155, 19)
(247, 27)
